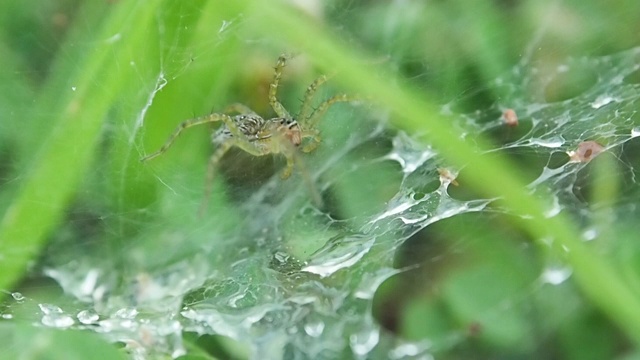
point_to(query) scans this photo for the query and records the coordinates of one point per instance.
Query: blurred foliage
(22, 341)
(75, 76)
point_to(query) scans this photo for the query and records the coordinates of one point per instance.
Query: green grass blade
(66, 154)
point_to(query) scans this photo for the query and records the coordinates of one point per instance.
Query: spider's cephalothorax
(286, 128)
(258, 136)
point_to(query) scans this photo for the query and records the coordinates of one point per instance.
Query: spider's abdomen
(248, 124)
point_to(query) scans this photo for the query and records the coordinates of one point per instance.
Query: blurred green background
(89, 87)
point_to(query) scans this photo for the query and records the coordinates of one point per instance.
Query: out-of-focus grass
(23, 341)
(75, 102)
(78, 134)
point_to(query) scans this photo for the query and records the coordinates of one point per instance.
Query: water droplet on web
(7, 316)
(281, 257)
(340, 252)
(554, 209)
(547, 173)
(371, 282)
(617, 80)
(114, 38)
(81, 284)
(556, 275)
(314, 328)
(397, 205)
(87, 317)
(73, 88)
(54, 317)
(17, 296)
(126, 313)
(408, 153)
(590, 234)
(635, 131)
(48, 309)
(233, 301)
(552, 142)
(601, 101)
(88, 285)
(404, 351)
(363, 342)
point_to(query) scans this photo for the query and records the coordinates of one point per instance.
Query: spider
(258, 136)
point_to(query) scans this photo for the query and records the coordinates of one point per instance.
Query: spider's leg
(289, 168)
(293, 157)
(315, 137)
(215, 158)
(273, 88)
(320, 110)
(190, 123)
(211, 169)
(306, 109)
(238, 108)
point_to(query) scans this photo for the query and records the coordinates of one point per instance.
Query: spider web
(290, 278)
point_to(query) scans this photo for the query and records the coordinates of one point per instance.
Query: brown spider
(258, 136)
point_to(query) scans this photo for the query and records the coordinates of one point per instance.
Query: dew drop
(617, 80)
(17, 296)
(7, 316)
(601, 101)
(114, 38)
(233, 301)
(340, 252)
(553, 142)
(363, 342)
(404, 351)
(73, 88)
(314, 328)
(126, 313)
(590, 234)
(57, 321)
(281, 257)
(554, 209)
(87, 317)
(49, 309)
(556, 275)
(54, 317)
(408, 153)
